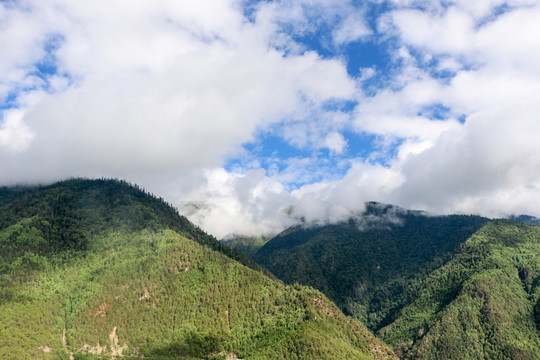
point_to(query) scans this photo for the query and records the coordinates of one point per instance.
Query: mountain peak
(100, 268)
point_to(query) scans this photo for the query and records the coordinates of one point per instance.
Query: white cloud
(306, 17)
(490, 158)
(253, 203)
(398, 113)
(158, 87)
(228, 203)
(481, 9)
(337, 200)
(352, 29)
(20, 34)
(162, 93)
(450, 32)
(487, 165)
(14, 134)
(335, 142)
(457, 33)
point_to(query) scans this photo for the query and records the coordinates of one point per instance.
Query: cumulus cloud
(485, 165)
(351, 29)
(14, 135)
(492, 157)
(155, 87)
(335, 142)
(165, 93)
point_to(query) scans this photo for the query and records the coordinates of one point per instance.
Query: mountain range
(432, 287)
(101, 269)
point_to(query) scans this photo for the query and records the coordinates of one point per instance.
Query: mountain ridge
(484, 303)
(453, 286)
(93, 269)
(364, 262)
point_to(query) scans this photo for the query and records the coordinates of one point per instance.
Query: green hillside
(369, 265)
(247, 245)
(100, 270)
(483, 304)
(71, 212)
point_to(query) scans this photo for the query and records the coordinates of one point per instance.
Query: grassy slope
(108, 287)
(483, 304)
(370, 273)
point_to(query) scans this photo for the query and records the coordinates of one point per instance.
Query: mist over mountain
(526, 219)
(234, 111)
(433, 287)
(101, 269)
(369, 263)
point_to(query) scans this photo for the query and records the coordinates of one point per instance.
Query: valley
(100, 269)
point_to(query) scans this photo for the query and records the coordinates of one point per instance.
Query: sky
(250, 116)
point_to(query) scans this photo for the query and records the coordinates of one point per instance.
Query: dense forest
(368, 265)
(99, 269)
(483, 304)
(71, 212)
(247, 245)
(432, 287)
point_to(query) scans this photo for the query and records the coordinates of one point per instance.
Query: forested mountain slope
(247, 245)
(99, 269)
(71, 212)
(368, 265)
(483, 304)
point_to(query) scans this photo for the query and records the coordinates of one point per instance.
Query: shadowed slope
(368, 265)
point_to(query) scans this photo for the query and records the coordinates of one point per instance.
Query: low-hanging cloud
(486, 164)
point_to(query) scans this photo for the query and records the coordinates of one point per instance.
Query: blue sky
(250, 115)
(271, 151)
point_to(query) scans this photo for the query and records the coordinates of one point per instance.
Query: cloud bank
(179, 96)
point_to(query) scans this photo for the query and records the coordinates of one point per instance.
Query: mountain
(432, 287)
(483, 304)
(526, 219)
(93, 269)
(247, 245)
(368, 265)
(73, 211)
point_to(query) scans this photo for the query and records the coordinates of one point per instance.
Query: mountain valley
(100, 269)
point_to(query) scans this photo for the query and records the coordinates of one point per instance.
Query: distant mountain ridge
(368, 264)
(99, 269)
(433, 287)
(247, 245)
(525, 219)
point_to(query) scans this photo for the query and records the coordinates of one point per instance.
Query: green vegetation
(100, 269)
(483, 304)
(370, 265)
(72, 212)
(451, 287)
(247, 245)
(525, 219)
